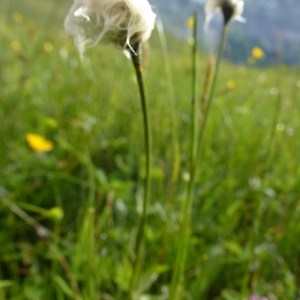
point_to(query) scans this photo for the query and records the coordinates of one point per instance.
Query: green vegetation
(69, 216)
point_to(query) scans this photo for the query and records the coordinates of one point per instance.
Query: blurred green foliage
(68, 216)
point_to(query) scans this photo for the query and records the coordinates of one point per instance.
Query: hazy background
(272, 25)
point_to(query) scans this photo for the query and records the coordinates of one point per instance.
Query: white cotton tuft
(124, 23)
(231, 9)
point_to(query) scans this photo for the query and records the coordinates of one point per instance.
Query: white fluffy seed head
(124, 23)
(231, 9)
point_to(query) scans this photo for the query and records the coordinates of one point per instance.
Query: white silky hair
(214, 5)
(120, 22)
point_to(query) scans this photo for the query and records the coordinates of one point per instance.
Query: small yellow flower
(38, 143)
(231, 85)
(17, 17)
(16, 46)
(48, 47)
(190, 22)
(257, 53)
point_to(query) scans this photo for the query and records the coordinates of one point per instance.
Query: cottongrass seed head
(124, 23)
(231, 9)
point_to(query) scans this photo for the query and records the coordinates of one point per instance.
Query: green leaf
(5, 284)
(66, 289)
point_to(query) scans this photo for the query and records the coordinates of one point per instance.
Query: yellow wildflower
(231, 85)
(16, 46)
(17, 17)
(190, 22)
(48, 47)
(258, 53)
(38, 143)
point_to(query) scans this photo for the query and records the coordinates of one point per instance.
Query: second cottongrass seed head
(230, 9)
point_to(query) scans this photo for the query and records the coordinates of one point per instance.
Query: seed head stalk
(136, 60)
(172, 102)
(210, 97)
(125, 24)
(197, 137)
(183, 241)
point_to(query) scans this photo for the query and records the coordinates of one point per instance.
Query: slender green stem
(17, 210)
(135, 57)
(172, 103)
(196, 151)
(262, 204)
(177, 279)
(211, 94)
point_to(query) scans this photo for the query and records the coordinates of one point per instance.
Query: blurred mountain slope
(271, 24)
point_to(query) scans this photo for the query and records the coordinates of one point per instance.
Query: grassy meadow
(69, 213)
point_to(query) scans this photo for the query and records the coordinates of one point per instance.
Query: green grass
(245, 224)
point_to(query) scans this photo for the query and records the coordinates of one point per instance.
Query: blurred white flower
(231, 9)
(124, 23)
